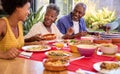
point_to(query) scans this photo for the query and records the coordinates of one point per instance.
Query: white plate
(27, 48)
(96, 66)
(111, 35)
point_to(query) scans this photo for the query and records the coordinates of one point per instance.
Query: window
(2, 13)
(65, 6)
(40, 3)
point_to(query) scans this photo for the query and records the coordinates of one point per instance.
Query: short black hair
(53, 7)
(9, 6)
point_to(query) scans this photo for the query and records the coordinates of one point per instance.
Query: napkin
(26, 54)
(80, 71)
(86, 63)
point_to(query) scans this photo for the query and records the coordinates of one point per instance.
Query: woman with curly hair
(11, 30)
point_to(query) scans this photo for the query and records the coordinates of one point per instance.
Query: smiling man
(74, 23)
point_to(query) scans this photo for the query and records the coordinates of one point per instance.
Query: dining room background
(67, 5)
(99, 8)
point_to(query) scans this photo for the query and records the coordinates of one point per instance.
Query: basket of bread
(48, 37)
(55, 64)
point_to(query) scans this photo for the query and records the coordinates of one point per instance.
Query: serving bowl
(101, 40)
(108, 48)
(73, 48)
(86, 49)
(115, 40)
(90, 38)
(73, 45)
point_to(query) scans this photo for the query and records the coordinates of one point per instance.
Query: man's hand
(106, 28)
(70, 31)
(83, 33)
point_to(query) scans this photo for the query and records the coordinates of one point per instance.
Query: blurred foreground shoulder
(2, 24)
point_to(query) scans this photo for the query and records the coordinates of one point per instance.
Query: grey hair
(81, 4)
(53, 7)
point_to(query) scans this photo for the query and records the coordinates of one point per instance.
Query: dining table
(34, 64)
(27, 66)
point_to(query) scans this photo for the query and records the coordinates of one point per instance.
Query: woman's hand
(10, 54)
(36, 37)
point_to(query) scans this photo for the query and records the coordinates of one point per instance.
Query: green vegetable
(73, 41)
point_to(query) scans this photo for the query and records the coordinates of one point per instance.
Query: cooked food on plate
(109, 65)
(58, 54)
(48, 37)
(37, 48)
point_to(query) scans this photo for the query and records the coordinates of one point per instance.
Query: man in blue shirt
(73, 23)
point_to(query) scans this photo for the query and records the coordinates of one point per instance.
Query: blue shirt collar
(70, 18)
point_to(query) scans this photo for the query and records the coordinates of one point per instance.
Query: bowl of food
(90, 38)
(55, 64)
(86, 49)
(108, 48)
(73, 45)
(59, 44)
(54, 54)
(73, 48)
